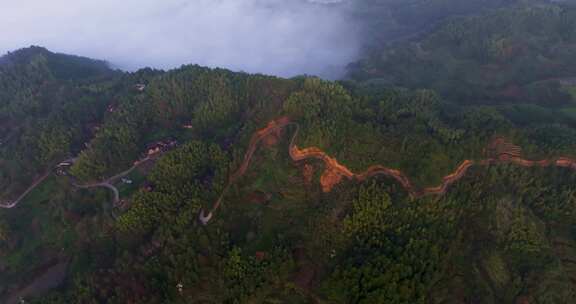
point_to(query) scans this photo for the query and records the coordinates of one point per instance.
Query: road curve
(334, 172)
(14, 203)
(102, 185)
(107, 183)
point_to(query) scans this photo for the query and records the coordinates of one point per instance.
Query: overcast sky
(266, 36)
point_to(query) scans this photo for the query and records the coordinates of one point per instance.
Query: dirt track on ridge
(499, 150)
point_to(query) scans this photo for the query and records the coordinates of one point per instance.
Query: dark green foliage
(501, 234)
(182, 179)
(43, 117)
(513, 54)
(395, 250)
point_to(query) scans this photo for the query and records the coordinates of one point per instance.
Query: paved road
(108, 183)
(12, 204)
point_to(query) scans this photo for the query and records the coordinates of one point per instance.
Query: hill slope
(513, 55)
(316, 188)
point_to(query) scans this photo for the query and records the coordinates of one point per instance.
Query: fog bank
(283, 38)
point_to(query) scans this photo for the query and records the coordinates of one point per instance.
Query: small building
(140, 87)
(126, 181)
(154, 150)
(62, 168)
(64, 164)
(160, 146)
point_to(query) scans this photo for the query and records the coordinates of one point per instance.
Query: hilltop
(442, 171)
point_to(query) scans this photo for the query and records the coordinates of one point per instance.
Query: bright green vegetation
(502, 234)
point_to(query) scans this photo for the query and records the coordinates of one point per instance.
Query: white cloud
(251, 35)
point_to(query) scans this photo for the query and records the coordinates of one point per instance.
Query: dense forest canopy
(199, 185)
(514, 55)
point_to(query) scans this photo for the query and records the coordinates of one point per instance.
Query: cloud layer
(264, 36)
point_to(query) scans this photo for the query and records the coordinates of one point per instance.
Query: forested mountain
(387, 21)
(513, 55)
(441, 171)
(47, 102)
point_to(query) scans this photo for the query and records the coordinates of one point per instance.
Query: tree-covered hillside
(48, 102)
(442, 172)
(386, 21)
(520, 54)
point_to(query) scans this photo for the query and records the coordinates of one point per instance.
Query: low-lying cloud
(284, 38)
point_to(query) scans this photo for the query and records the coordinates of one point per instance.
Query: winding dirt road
(498, 151)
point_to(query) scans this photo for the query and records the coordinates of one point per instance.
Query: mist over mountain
(271, 37)
(326, 38)
(315, 37)
(439, 168)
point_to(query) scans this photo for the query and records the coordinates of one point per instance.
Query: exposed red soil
(498, 151)
(523, 300)
(272, 138)
(273, 127)
(308, 174)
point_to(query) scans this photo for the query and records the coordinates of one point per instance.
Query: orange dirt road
(498, 151)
